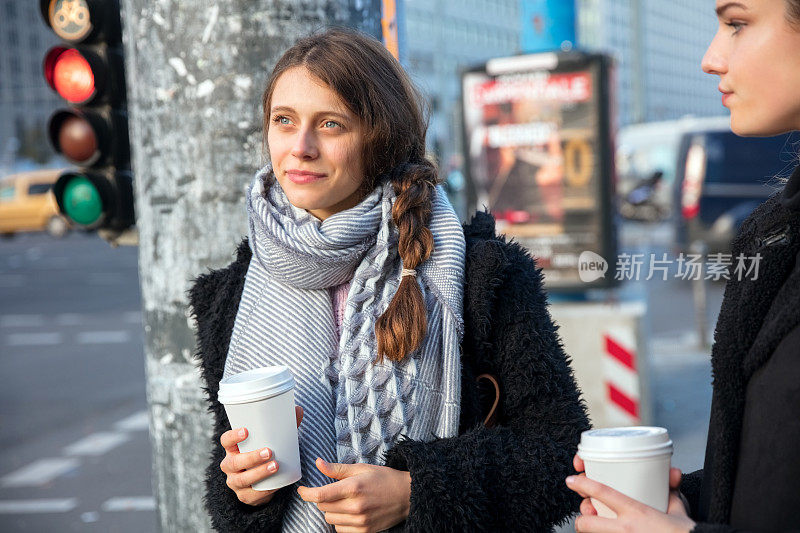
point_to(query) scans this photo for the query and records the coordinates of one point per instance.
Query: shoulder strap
(491, 418)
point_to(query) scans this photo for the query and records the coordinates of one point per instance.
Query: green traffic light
(82, 202)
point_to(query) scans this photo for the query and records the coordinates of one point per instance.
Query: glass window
(39, 188)
(6, 192)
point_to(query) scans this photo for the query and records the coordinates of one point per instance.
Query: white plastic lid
(256, 384)
(624, 442)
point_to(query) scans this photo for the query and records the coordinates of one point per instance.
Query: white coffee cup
(632, 460)
(262, 400)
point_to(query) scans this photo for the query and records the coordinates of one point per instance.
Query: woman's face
(315, 144)
(756, 54)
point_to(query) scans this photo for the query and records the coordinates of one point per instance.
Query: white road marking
(132, 503)
(136, 422)
(71, 319)
(39, 472)
(103, 337)
(132, 317)
(96, 443)
(63, 505)
(21, 321)
(33, 339)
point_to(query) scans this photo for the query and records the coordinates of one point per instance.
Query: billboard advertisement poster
(537, 135)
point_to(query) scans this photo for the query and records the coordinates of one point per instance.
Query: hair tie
(408, 272)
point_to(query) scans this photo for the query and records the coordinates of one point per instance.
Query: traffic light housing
(88, 71)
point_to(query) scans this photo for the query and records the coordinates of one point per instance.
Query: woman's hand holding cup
(244, 469)
(631, 515)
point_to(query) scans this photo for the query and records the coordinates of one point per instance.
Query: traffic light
(88, 71)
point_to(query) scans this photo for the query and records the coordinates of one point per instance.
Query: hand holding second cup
(244, 469)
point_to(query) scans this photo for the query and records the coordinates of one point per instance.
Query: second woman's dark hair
(374, 86)
(793, 12)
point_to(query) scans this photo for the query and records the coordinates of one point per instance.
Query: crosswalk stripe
(63, 505)
(132, 317)
(70, 319)
(33, 339)
(96, 443)
(103, 337)
(133, 503)
(39, 472)
(15, 321)
(135, 422)
(67, 319)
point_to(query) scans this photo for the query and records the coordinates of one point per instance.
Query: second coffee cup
(632, 460)
(262, 400)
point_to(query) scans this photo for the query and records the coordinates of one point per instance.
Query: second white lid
(255, 384)
(625, 440)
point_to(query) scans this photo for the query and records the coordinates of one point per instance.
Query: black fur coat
(755, 318)
(508, 478)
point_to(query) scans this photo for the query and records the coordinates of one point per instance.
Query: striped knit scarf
(354, 410)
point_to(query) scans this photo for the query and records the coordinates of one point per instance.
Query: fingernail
(265, 453)
(570, 480)
(272, 466)
(241, 432)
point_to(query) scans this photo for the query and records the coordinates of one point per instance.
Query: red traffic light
(71, 74)
(88, 71)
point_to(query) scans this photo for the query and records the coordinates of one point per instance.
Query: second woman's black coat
(508, 478)
(751, 477)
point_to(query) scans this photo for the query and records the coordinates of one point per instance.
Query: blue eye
(280, 119)
(332, 122)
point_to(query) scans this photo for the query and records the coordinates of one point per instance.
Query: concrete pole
(195, 71)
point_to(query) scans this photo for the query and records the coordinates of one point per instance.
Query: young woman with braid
(357, 274)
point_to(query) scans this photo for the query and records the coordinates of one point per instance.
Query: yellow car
(27, 204)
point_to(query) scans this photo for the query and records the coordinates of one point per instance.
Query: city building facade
(658, 47)
(440, 38)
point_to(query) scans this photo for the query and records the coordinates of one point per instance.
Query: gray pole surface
(195, 73)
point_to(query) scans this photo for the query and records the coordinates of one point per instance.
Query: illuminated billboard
(539, 157)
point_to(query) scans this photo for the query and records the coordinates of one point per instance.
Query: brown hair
(793, 12)
(374, 86)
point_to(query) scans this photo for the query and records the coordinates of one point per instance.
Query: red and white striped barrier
(608, 352)
(621, 376)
